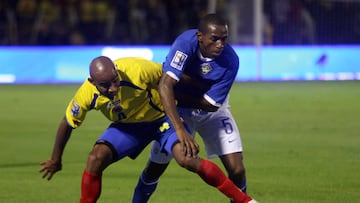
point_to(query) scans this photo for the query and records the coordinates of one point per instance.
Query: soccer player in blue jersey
(198, 73)
(125, 91)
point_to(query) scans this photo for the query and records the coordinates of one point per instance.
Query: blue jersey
(218, 73)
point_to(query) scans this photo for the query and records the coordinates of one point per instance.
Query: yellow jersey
(137, 99)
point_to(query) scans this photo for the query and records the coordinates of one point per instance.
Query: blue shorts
(130, 139)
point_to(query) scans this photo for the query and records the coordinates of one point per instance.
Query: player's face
(109, 84)
(213, 41)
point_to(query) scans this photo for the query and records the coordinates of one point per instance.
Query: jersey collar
(205, 59)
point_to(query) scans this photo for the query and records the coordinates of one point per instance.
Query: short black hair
(211, 18)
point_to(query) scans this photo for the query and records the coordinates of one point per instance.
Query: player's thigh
(161, 150)
(126, 141)
(220, 134)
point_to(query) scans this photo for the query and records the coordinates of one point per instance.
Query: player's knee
(181, 161)
(187, 162)
(98, 159)
(93, 163)
(237, 174)
(239, 171)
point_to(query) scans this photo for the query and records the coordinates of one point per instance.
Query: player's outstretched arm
(166, 91)
(53, 165)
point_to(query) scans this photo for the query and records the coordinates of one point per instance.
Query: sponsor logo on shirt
(178, 60)
(75, 108)
(205, 68)
(231, 141)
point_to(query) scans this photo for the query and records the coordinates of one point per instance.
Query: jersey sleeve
(177, 58)
(79, 105)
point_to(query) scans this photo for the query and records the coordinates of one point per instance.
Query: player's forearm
(168, 100)
(62, 137)
(192, 101)
(175, 120)
(171, 112)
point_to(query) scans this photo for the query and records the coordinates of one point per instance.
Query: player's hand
(49, 168)
(189, 145)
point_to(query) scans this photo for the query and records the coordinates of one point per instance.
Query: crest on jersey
(117, 109)
(205, 68)
(113, 104)
(178, 60)
(75, 108)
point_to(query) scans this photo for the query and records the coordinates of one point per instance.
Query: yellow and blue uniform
(137, 99)
(136, 112)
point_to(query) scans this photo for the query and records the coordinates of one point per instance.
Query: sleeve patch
(178, 60)
(75, 108)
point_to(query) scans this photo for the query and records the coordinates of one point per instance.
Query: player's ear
(199, 36)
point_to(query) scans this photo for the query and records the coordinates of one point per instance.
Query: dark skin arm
(166, 90)
(53, 165)
(193, 101)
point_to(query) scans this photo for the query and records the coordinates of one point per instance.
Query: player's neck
(203, 58)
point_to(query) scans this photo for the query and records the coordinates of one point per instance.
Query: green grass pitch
(301, 141)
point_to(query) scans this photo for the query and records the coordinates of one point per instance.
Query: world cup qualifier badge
(178, 60)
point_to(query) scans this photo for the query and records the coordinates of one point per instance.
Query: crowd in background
(92, 22)
(101, 22)
(314, 21)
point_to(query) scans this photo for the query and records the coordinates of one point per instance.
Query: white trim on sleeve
(211, 101)
(172, 75)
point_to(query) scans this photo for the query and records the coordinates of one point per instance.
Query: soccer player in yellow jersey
(125, 91)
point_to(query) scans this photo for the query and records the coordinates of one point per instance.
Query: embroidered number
(227, 126)
(165, 126)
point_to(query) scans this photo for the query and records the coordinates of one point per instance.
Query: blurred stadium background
(275, 39)
(100, 22)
